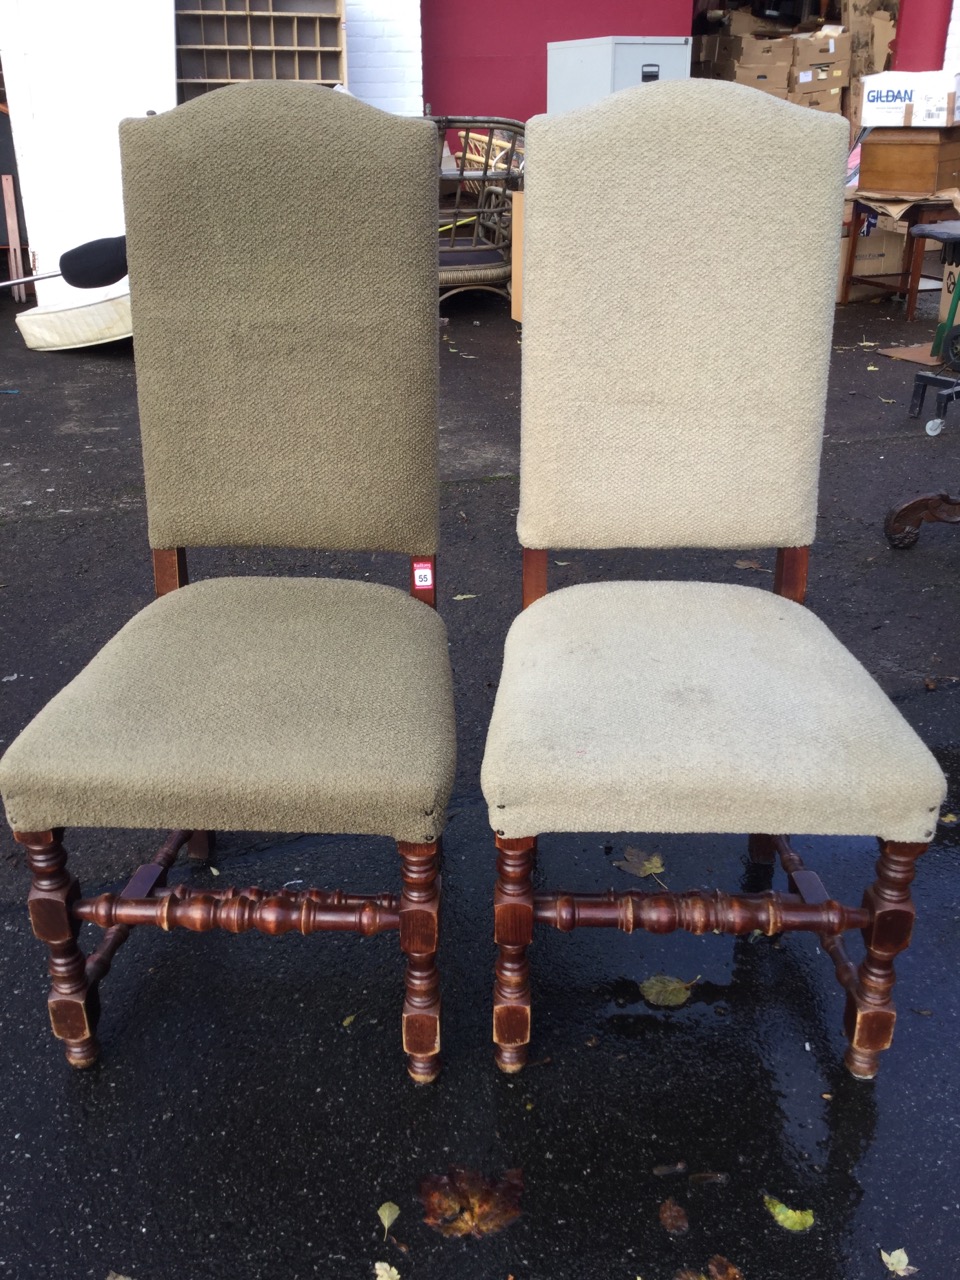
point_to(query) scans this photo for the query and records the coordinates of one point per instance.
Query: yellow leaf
(789, 1219)
(747, 564)
(348, 1019)
(872, 368)
(214, 871)
(898, 1263)
(639, 863)
(384, 1271)
(388, 1213)
(948, 819)
(666, 992)
(883, 401)
(465, 596)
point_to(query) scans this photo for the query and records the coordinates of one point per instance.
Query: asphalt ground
(251, 1110)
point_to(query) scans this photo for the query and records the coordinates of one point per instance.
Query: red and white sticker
(422, 574)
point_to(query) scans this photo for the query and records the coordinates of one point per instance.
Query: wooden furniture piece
(222, 42)
(907, 282)
(476, 201)
(910, 162)
(903, 523)
(276, 408)
(660, 706)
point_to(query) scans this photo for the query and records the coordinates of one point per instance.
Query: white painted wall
(385, 54)
(73, 69)
(951, 55)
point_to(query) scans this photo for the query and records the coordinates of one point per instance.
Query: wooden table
(911, 268)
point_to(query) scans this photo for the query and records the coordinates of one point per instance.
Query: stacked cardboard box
(820, 69)
(809, 68)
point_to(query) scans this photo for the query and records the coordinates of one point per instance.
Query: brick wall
(384, 58)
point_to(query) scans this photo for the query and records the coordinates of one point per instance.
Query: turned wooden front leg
(419, 930)
(870, 1013)
(513, 933)
(73, 1002)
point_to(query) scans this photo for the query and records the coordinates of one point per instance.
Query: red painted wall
(490, 58)
(921, 35)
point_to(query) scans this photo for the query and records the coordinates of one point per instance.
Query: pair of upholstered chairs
(287, 378)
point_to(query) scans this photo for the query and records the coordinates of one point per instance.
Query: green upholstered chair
(654, 706)
(286, 357)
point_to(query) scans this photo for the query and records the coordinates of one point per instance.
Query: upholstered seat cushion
(673, 706)
(276, 704)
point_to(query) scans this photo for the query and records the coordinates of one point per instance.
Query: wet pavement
(251, 1110)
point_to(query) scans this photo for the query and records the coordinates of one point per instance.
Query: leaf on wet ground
(898, 1263)
(883, 400)
(465, 596)
(640, 864)
(388, 1213)
(747, 564)
(719, 1268)
(673, 1218)
(789, 1219)
(666, 992)
(462, 1202)
(948, 819)
(384, 1271)
(348, 1020)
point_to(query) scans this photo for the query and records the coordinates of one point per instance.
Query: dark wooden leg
(419, 929)
(851, 258)
(513, 933)
(200, 846)
(916, 271)
(870, 1014)
(73, 1003)
(762, 850)
(902, 525)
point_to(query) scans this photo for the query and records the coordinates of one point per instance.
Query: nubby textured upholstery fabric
(696, 706)
(318, 304)
(262, 704)
(675, 353)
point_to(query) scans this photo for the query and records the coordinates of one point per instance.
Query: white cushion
(691, 706)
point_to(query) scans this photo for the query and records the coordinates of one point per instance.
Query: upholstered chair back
(283, 274)
(677, 324)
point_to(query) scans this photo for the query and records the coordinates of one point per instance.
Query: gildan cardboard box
(910, 99)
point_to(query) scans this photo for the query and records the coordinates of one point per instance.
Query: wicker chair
(476, 202)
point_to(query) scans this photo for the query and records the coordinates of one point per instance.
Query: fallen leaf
(673, 1218)
(348, 1019)
(898, 1263)
(388, 1213)
(747, 564)
(464, 356)
(384, 1271)
(639, 863)
(872, 368)
(665, 1170)
(214, 871)
(720, 1269)
(666, 992)
(463, 1202)
(465, 596)
(883, 401)
(563, 562)
(789, 1219)
(948, 819)
(930, 684)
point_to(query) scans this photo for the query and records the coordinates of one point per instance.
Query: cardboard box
(818, 50)
(811, 79)
(853, 103)
(741, 22)
(772, 78)
(878, 254)
(705, 48)
(910, 162)
(910, 99)
(755, 51)
(820, 100)
(882, 30)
